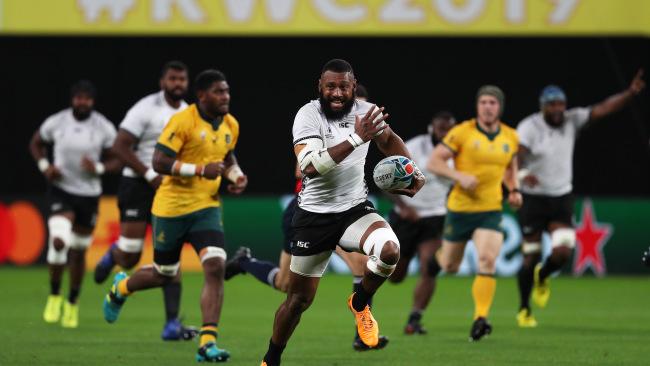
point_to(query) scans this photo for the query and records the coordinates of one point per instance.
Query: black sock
(525, 282)
(172, 296)
(74, 295)
(433, 267)
(551, 265)
(264, 271)
(356, 287)
(274, 353)
(361, 298)
(55, 288)
(415, 317)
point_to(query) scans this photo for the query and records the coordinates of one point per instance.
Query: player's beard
(81, 114)
(175, 94)
(555, 121)
(434, 139)
(332, 114)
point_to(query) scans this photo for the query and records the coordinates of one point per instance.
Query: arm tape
(316, 154)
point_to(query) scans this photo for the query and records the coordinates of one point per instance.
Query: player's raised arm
(618, 101)
(315, 159)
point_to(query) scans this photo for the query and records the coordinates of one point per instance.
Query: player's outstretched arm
(314, 159)
(618, 101)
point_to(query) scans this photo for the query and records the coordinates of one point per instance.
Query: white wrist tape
(184, 169)
(355, 140)
(99, 168)
(233, 173)
(523, 173)
(150, 175)
(43, 164)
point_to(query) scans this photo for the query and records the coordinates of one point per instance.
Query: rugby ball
(394, 172)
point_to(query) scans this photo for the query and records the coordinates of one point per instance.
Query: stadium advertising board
(326, 17)
(611, 234)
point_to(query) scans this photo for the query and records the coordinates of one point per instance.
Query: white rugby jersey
(551, 151)
(344, 186)
(432, 198)
(72, 140)
(145, 121)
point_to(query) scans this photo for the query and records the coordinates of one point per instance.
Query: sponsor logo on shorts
(56, 206)
(161, 237)
(228, 138)
(303, 244)
(133, 212)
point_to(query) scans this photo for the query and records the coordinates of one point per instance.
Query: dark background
(271, 78)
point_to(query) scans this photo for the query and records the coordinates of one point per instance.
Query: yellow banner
(326, 17)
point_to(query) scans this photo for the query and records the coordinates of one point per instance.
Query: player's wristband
(150, 175)
(99, 168)
(355, 140)
(187, 169)
(43, 164)
(234, 173)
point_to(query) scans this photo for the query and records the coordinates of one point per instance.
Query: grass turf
(588, 321)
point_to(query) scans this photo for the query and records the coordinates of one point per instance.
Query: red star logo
(592, 237)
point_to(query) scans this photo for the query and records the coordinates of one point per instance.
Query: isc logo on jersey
(393, 172)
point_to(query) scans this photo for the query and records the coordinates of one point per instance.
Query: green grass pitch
(588, 321)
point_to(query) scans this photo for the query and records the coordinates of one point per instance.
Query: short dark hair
(362, 92)
(444, 115)
(206, 78)
(337, 65)
(83, 87)
(173, 65)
